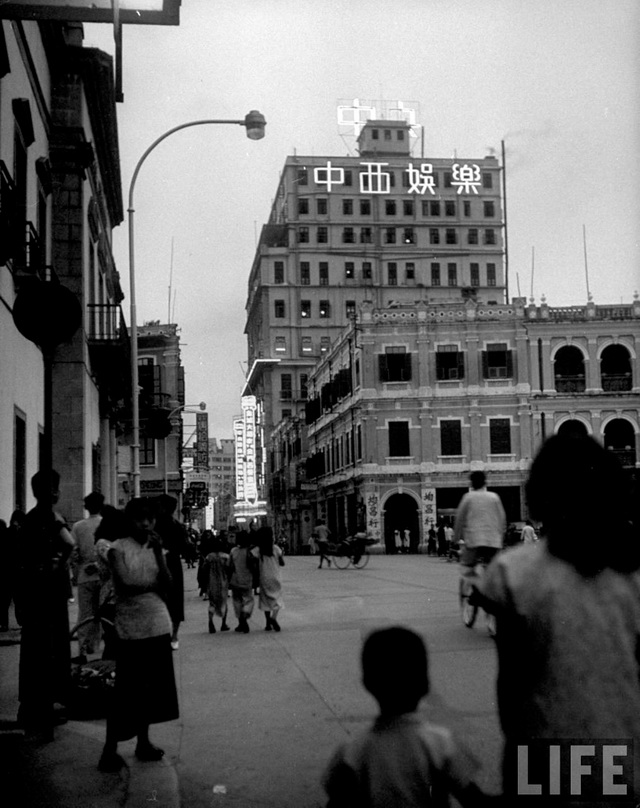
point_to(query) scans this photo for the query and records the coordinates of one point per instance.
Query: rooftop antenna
(173, 315)
(586, 266)
(518, 283)
(170, 282)
(533, 266)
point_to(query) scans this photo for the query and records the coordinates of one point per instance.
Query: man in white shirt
(480, 523)
(84, 560)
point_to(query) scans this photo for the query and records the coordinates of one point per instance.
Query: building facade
(60, 198)
(413, 398)
(222, 476)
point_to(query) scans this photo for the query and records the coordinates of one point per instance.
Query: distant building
(222, 474)
(162, 397)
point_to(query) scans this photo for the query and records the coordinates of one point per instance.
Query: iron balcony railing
(105, 323)
(616, 383)
(570, 384)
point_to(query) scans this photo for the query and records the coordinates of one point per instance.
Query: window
(487, 180)
(278, 309)
(367, 272)
(399, 439)
(491, 274)
(387, 134)
(490, 236)
(280, 344)
(286, 413)
(400, 134)
(475, 274)
(409, 235)
(325, 309)
(425, 207)
(306, 345)
(348, 236)
(489, 209)
(147, 451)
(472, 236)
(451, 438)
(435, 274)
(449, 363)
(434, 208)
(286, 391)
(303, 176)
(450, 236)
(365, 207)
(392, 270)
(448, 179)
(497, 361)
(321, 206)
(323, 235)
(499, 436)
(466, 208)
(347, 207)
(395, 364)
(449, 208)
(408, 207)
(278, 272)
(304, 386)
(325, 344)
(348, 177)
(390, 207)
(323, 273)
(19, 461)
(303, 235)
(434, 235)
(390, 235)
(452, 275)
(410, 272)
(303, 205)
(350, 308)
(349, 270)
(305, 273)
(305, 308)
(375, 134)
(366, 235)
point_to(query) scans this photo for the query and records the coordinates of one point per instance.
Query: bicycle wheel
(342, 559)
(362, 562)
(469, 611)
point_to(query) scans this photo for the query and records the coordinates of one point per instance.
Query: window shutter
(509, 357)
(406, 373)
(383, 367)
(460, 365)
(485, 365)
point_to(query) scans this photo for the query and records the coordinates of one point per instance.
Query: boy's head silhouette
(395, 669)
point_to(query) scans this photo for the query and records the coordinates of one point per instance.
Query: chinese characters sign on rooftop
(466, 177)
(245, 437)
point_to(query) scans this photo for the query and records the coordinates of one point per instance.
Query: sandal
(149, 752)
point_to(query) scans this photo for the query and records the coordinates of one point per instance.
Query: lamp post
(254, 123)
(185, 408)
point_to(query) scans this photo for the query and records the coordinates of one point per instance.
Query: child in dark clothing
(402, 760)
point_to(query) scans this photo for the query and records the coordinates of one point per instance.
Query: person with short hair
(323, 533)
(567, 609)
(480, 523)
(84, 560)
(402, 760)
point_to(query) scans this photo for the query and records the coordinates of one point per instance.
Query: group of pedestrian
(250, 565)
(567, 611)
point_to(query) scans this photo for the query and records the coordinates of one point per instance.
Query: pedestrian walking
(241, 581)
(480, 523)
(270, 558)
(145, 689)
(84, 563)
(406, 540)
(442, 540)
(402, 759)
(449, 541)
(202, 575)
(45, 648)
(323, 534)
(217, 563)
(174, 540)
(567, 611)
(528, 534)
(432, 547)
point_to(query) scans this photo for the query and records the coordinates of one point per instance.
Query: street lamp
(254, 124)
(185, 408)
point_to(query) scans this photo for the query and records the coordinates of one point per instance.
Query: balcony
(616, 383)
(28, 254)
(7, 214)
(626, 457)
(570, 384)
(109, 352)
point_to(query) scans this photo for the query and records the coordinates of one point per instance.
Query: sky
(558, 82)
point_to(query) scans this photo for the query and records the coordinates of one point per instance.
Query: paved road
(262, 712)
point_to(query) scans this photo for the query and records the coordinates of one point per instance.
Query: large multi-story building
(222, 480)
(413, 398)
(60, 198)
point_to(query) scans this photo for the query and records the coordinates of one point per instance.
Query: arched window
(569, 370)
(619, 437)
(573, 428)
(615, 369)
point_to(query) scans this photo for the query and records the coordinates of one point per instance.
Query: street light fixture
(254, 123)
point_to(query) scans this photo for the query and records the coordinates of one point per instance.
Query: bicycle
(469, 606)
(351, 552)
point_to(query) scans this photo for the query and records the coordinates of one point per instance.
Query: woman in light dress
(270, 558)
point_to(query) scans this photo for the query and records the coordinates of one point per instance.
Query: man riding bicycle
(480, 524)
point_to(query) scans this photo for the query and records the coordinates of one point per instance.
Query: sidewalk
(64, 773)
